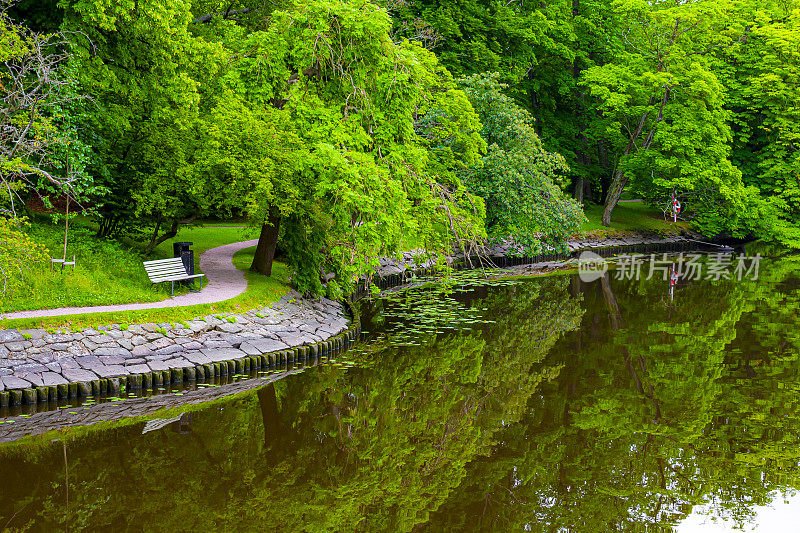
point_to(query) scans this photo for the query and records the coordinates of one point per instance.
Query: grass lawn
(629, 217)
(107, 272)
(261, 291)
(204, 238)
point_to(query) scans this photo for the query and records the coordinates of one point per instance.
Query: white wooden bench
(171, 270)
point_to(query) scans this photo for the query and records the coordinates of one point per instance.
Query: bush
(18, 253)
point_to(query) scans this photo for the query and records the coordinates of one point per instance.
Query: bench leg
(172, 288)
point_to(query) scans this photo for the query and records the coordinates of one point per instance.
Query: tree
(663, 101)
(37, 140)
(758, 73)
(381, 132)
(539, 50)
(518, 179)
(17, 251)
(143, 68)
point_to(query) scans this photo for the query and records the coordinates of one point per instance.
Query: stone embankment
(505, 255)
(37, 366)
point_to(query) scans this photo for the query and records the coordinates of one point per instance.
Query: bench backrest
(164, 269)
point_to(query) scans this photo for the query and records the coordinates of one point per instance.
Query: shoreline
(39, 367)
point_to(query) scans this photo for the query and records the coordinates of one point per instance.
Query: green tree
(382, 131)
(664, 105)
(539, 51)
(759, 75)
(518, 180)
(143, 67)
(40, 151)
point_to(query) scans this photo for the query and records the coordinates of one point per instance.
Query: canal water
(545, 404)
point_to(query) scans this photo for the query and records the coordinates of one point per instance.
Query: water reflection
(571, 406)
(782, 514)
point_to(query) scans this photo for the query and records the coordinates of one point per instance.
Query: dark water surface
(540, 405)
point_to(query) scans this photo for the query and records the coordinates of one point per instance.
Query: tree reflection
(659, 406)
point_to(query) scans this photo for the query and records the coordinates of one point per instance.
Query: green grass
(204, 238)
(107, 271)
(261, 291)
(629, 217)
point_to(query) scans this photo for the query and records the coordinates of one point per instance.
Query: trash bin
(181, 249)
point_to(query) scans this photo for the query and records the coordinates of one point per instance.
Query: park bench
(171, 270)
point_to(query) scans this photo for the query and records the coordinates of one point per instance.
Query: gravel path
(225, 282)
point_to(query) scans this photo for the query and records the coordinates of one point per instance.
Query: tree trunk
(270, 414)
(614, 194)
(620, 180)
(267, 241)
(169, 234)
(156, 239)
(579, 188)
(611, 301)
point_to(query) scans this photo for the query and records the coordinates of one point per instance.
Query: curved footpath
(224, 282)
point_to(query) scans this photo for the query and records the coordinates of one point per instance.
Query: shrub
(18, 252)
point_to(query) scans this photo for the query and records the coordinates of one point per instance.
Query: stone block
(249, 349)
(112, 360)
(217, 343)
(51, 379)
(18, 346)
(58, 346)
(89, 344)
(109, 371)
(178, 362)
(34, 334)
(113, 352)
(14, 382)
(125, 343)
(222, 354)
(142, 349)
(78, 374)
(262, 346)
(160, 343)
(10, 335)
(175, 348)
(158, 366)
(102, 339)
(88, 361)
(229, 327)
(138, 369)
(197, 357)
